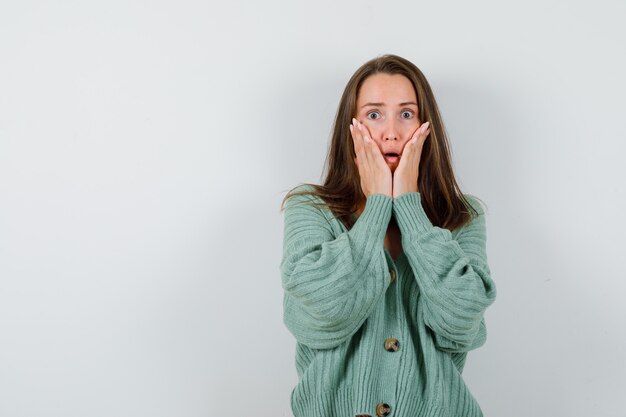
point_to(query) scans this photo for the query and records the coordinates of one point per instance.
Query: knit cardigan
(346, 298)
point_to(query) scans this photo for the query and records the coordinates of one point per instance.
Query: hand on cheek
(374, 173)
(406, 174)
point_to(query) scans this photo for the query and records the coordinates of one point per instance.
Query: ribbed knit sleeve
(452, 274)
(332, 282)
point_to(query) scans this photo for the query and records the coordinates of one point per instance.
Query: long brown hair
(441, 197)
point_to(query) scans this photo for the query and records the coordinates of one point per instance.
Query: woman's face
(387, 106)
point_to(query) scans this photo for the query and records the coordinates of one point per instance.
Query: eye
(373, 112)
(407, 111)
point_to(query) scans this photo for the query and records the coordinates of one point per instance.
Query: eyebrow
(405, 103)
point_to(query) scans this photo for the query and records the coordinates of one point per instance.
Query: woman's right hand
(375, 174)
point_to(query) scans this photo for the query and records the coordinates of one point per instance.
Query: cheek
(409, 131)
(366, 122)
(378, 143)
(373, 127)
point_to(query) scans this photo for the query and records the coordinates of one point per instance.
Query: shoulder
(302, 193)
(476, 203)
(476, 223)
(304, 198)
(304, 207)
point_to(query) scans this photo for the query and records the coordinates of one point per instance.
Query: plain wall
(145, 148)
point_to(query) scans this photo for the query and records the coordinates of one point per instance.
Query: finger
(375, 154)
(409, 151)
(406, 154)
(415, 148)
(421, 128)
(423, 137)
(375, 147)
(357, 141)
(368, 150)
(365, 140)
(353, 136)
(373, 151)
(364, 130)
(424, 131)
(358, 133)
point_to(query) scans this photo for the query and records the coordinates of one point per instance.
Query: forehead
(388, 88)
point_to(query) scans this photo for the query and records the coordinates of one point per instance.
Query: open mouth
(392, 157)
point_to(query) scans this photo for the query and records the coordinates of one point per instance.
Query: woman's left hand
(405, 175)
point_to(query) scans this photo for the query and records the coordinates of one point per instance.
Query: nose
(390, 132)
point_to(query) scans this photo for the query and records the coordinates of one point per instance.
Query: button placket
(391, 344)
(392, 267)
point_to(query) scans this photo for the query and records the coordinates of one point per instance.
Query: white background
(145, 148)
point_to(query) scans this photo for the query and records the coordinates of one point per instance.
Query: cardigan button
(383, 409)
(392, 344)
(393, 274)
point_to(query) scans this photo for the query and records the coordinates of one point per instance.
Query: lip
(392, 159)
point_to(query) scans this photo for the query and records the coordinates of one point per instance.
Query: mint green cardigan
(370, 345)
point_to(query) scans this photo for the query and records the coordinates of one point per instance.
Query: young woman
(384, 266)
